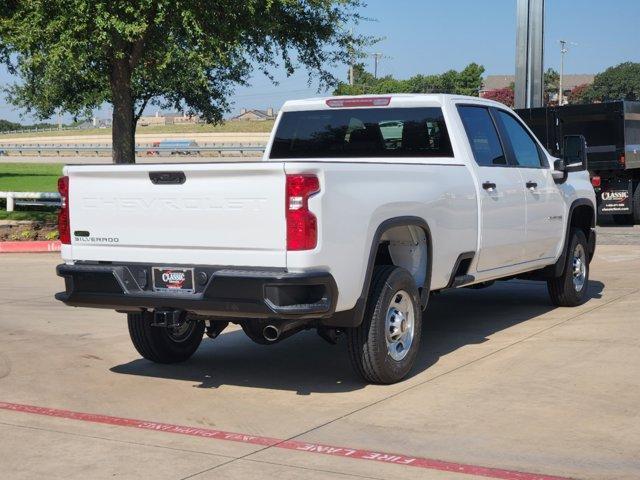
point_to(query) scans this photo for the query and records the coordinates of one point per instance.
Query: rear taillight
(621, 160)
(302, 226)
(596, 181)
(64, 227)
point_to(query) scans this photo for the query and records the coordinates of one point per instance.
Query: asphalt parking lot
(506, 386)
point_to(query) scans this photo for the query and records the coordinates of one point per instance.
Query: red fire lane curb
(30, 247)
(426, 463)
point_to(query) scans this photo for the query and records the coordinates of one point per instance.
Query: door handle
(489, 186)
(531, 185)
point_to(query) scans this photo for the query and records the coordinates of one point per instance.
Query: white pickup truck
(360, 208)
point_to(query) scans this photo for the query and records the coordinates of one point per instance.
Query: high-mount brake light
(302, 225)
(64, 224)
(358, 102)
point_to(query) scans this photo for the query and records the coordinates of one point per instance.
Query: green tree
(466, 82)
(74, 55)
(551, 84)
(6, 126)
(621, 82)
(469, 80)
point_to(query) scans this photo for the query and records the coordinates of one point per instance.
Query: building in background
(255, 115)
(168, 118)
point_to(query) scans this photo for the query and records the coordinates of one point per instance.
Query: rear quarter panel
(355, 198)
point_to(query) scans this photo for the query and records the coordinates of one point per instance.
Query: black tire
(162, 345)
(636, 205)
(562, 289)
(367, 343)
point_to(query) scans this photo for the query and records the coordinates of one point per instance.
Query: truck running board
(461, 280)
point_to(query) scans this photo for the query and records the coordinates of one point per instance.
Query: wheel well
(406, 246)
(583, 217)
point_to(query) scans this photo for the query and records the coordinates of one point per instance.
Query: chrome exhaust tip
(271, 333)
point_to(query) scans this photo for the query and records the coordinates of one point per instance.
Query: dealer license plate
(173, 279)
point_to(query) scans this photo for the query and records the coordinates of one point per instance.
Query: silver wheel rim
(181, 333)
(579, 266)
(399, 325)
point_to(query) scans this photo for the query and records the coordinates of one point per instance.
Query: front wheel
(570, 288)
(161, 344)
(384, 347)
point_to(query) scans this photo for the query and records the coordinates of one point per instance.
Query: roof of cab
(395, 100)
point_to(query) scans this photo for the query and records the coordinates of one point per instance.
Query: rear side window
(525, 149)
(483, 136)
(362, 132)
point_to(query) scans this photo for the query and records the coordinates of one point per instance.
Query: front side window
(525, 149)
(483, 136)
(362, 132)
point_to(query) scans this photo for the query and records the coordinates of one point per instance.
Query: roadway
(505, 383)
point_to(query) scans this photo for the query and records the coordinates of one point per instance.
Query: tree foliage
(75, 55)
(502, 95)
(621, 82)
(465, 82)
(7, 126)
(580, 94)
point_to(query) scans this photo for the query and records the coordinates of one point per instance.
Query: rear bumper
(223, 292)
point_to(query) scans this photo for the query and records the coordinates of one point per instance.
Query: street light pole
(563, 50)
(376, 58)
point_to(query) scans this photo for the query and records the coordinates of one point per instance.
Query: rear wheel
(636, 205)
(384, 347)
(570, 288)
(164, 345)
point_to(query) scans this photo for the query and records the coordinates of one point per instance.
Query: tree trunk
(123, 129)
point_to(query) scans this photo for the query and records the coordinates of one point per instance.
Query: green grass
(46, 217)
(238, 126)
(29, 177)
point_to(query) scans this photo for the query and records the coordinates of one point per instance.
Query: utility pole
(376, 58)
(563, 50)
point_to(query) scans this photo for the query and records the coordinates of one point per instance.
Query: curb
(30, 247)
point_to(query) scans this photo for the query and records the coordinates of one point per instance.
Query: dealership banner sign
(616, 199)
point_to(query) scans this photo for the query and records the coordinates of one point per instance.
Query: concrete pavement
(504, 380)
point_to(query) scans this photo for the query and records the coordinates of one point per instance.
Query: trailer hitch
(168, 318)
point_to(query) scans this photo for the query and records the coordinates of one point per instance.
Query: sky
(432, 36)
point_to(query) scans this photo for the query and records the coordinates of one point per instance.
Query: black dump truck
(612, 132)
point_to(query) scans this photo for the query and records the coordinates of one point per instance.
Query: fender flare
(558, 267)
(353, 317)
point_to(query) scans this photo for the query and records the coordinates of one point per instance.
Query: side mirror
(559, 171)
(574, 154)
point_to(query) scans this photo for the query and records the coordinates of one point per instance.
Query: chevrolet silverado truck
(359, 210)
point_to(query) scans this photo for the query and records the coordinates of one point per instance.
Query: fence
(41, 129)
(32, 198)
(98, 149)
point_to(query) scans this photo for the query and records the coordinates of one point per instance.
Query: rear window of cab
(362, 132)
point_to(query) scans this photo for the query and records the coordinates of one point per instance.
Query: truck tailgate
(209, 214)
